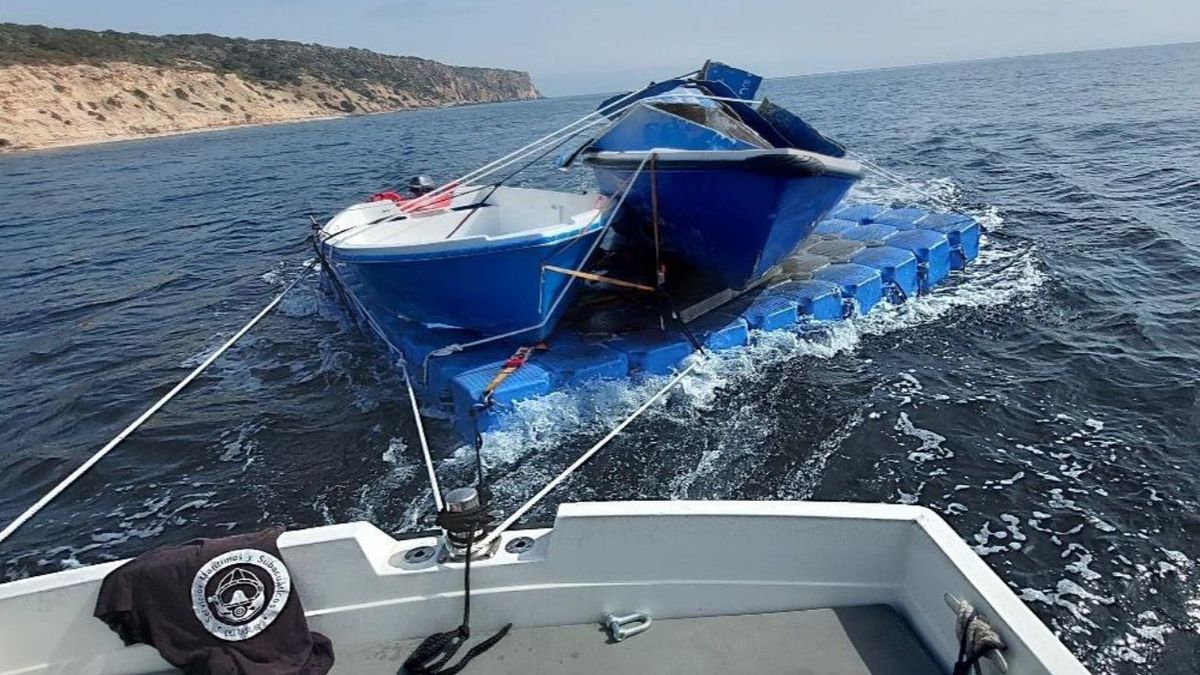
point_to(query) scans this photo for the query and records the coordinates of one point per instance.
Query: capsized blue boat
(477, 265)
(728, 187)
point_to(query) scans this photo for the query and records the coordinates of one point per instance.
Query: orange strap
(512, 365)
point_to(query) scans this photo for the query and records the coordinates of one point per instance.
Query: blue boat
(493, 266)
(727, 185)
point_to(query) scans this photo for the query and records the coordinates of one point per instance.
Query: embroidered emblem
(238, 594)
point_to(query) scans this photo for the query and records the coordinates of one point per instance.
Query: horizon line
(922, 64)
(820, 73)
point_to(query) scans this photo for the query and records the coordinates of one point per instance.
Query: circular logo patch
(238, 594)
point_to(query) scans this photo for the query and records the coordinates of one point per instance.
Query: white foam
(239, 445)
(1071, 596)
(803, 480)
(931, 442)
(396, 453)
(404, 467)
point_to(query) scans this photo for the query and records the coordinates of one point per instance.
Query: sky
(578, 46)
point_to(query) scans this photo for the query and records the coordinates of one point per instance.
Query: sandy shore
(57, 106)
(55, 145)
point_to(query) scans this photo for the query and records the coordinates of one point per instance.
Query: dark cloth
(216, 606)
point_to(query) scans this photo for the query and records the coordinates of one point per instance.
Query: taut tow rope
(416, 411)
(524, 508)
(349, 297)
(879, 170)
(134, 425)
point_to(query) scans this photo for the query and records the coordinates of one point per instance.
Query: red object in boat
(386, 196)
(436, 203)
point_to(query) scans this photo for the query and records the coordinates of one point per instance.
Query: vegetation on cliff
(61, 86)
(269, 61)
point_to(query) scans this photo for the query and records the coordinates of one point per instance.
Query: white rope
(524, 508)
(458, 347)
(562, 134)
(604, 111)
(417, 204)
(412, 395)
(531, 147)
(900, 181)
(133, 426)
(595, 118)
(416, 411)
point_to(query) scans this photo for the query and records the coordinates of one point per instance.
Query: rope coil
(435, 652)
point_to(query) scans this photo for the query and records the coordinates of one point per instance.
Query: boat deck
(868, 640)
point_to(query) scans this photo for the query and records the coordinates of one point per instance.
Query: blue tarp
(647, 127)
(799, 134)
(741, 83)
(778, 126)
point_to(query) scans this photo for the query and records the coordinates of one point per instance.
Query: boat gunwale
(676, 159)
(479, 245)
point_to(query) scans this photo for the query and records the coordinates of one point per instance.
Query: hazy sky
(578, 46)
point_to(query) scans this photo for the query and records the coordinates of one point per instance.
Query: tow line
(133, 426)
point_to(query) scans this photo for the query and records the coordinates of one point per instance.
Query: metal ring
(419, 554)
(519, 545)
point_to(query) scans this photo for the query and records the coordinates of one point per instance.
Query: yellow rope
(588, 276)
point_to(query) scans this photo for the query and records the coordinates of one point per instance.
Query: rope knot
(976, 638)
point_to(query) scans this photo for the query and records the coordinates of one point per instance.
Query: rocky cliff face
(60, 87)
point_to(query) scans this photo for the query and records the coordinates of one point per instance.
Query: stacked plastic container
(860, 256)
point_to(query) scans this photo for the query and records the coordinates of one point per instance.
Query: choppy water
(1045, 402)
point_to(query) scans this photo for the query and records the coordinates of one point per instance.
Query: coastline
(77, 143)
(49, 106)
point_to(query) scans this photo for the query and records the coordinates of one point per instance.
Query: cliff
(65, 87)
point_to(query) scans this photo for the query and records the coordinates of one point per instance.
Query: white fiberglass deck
(761, 565)
(870, 640)
(510, 215)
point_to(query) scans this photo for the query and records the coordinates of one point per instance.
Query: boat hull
(731, 218)
(489, 290)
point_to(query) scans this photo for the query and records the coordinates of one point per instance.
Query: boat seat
(867, 640)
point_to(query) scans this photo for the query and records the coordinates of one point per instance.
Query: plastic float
(860, 256)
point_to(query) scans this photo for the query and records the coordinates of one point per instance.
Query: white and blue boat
(727, 185)
(478, 264)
